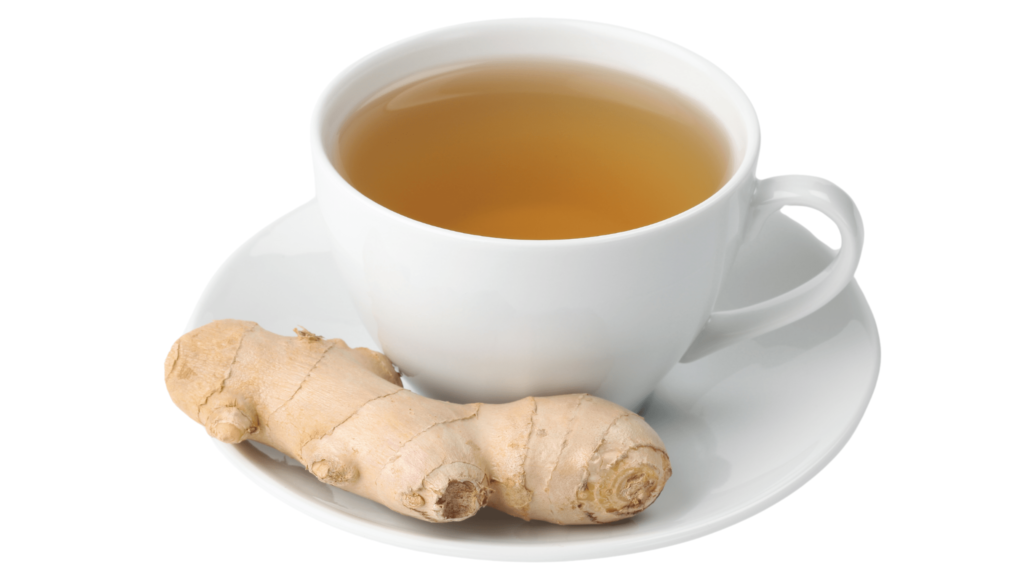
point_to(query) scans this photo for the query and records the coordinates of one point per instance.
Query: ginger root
(342, 413)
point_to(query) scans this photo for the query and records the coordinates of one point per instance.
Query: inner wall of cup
(611, 47)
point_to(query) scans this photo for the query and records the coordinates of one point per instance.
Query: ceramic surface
(744, 427)
(474, 319)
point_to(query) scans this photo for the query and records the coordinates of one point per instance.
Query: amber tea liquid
(533, 150)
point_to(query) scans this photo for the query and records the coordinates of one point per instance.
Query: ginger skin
(342, 413)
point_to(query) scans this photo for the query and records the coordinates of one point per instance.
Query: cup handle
(729, 326)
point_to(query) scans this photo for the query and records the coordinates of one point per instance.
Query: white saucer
(744, 427)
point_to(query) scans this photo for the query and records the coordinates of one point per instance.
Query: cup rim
(744, 107)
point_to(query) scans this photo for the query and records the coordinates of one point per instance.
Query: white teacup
(470, 318)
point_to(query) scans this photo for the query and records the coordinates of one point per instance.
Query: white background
(140, 144)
